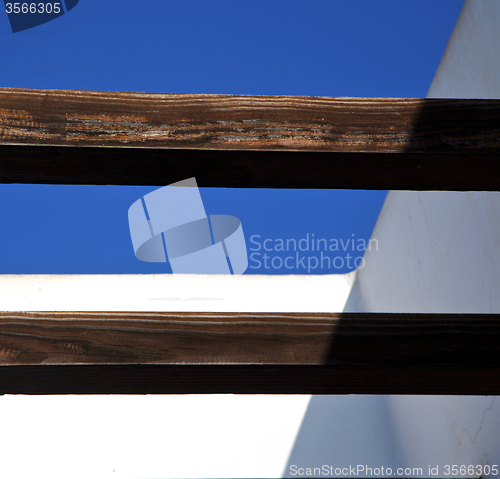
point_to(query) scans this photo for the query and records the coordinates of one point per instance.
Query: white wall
(438, 252)
(109, 437)
(470, 66)
(397, 432)
(167, 292)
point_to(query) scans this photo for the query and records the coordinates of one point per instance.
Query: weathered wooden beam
(49, 136)
(275, 353)
(227, 122)
(250, 338)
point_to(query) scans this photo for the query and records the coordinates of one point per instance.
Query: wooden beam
(72, 137)
(257, 352)
(228, 122)
(266, 142)
(250, 338)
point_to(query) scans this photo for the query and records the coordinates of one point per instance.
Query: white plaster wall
(470, 66)
(439, 252)
(167, 292)
(397, 432)
(139, 437)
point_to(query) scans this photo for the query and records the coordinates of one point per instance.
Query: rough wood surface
(250, 338)
(90, 353)
(242, 141)
(85, 118)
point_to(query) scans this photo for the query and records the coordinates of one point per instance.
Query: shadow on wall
(370, 431)
(344, 432)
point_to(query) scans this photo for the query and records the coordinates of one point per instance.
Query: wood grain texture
(249, 338)
(73, 137)
(86, 118)
(189, 345)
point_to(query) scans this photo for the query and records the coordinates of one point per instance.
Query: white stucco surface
(407, 434)
(470, 66)
(437, 253)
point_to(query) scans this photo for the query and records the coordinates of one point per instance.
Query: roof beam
(75, 137)
(314, 353)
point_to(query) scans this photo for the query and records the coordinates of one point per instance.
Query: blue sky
(315, 48)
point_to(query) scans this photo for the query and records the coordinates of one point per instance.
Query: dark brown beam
(280, 352)
(249, 169)
(248, 379)
(47, 136)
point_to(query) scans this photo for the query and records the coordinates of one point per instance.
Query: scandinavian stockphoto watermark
(26, 15)
(170, 224)
(309, 253)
